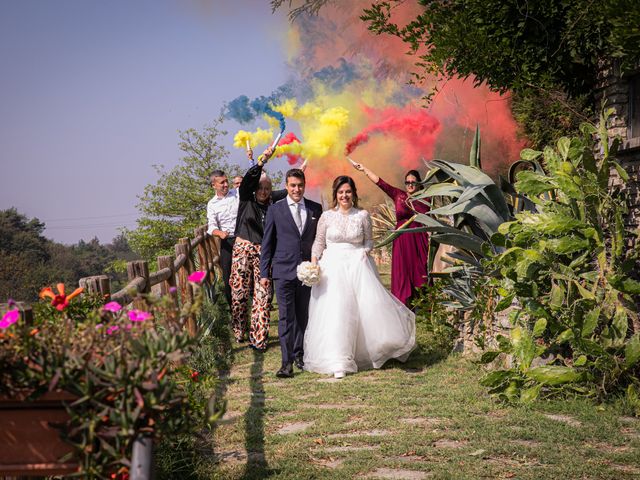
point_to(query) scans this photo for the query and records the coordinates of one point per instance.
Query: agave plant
(383, 219)
(471, 208)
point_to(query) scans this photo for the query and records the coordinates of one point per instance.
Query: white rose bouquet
(308, 273)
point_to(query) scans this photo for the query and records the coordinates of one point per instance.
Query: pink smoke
(416, 129)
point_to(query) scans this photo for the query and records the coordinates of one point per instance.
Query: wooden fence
(200, 253)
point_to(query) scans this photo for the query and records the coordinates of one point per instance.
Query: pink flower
(197, 277)
(112, 307)
(112, 329)
(173, 290)
(139, 315)
(9, 318)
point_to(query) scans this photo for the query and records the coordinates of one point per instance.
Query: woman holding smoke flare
(410, 256)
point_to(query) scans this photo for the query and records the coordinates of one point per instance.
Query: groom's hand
(265, 282)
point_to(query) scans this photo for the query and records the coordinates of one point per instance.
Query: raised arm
(370, 175)
(250, 182)
(393, 192)
(320, 242)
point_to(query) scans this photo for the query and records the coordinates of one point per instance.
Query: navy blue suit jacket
(283, 247)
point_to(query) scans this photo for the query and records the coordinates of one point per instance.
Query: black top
(251, 214)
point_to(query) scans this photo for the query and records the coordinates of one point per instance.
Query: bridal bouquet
(308, 274)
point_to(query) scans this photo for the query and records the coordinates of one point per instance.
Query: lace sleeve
(368, 231)
(320, 242)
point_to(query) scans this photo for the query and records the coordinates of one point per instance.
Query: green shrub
(568, 267)
(129, 370)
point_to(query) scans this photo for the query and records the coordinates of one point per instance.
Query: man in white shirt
(222, 211)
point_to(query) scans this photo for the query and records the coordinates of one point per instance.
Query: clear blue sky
(92, 94)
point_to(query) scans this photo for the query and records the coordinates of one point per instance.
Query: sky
(93, 94)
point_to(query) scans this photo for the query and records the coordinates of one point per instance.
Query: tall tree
(23, 256)
(176, 204)
(548, 53)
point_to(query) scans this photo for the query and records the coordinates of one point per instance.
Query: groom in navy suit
(289, 231)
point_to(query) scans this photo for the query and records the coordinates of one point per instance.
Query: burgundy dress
(410, 250)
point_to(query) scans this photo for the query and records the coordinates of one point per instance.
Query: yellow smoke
(322, 128)
(259, 137)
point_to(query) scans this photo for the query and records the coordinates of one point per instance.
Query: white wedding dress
(354, 321)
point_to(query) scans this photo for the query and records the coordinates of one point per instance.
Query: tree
(514, 45)
(176, 204)
(23, 256)
(29, 261)
(548, 53)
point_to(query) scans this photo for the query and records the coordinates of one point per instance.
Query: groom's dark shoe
(299, 362)
(286, 371)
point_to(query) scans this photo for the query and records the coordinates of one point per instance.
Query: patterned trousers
(245, 277)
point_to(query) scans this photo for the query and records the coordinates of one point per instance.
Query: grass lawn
(417, 420)
(428, 418)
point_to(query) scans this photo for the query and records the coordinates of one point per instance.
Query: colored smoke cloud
(288, 139)
(416, 129)
(350, 92)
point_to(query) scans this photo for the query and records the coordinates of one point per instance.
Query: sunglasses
(411, 184)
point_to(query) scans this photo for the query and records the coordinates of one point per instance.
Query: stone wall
(615, 89)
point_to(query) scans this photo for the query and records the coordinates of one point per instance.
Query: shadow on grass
(257, 466)
(430, 350)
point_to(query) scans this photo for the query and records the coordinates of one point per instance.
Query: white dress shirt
(222, 213)
(292, 209)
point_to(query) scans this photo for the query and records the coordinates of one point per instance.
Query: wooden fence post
(139, 268)
(214, 247)
(186, 293)
(168, 287)
(105, 287)
(203, 254)
(100, 284)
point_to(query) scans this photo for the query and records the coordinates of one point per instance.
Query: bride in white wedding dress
(354, 321)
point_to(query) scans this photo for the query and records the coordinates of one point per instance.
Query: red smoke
(459, 102)
(337, 32)
(415, 128)
(290, 137)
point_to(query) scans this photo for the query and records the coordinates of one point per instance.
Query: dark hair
(295, 172)
(337, 183)
(414, 173)
(218, 173)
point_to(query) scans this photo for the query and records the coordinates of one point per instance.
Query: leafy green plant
(127, 369)
(568, 267)
(440, 324)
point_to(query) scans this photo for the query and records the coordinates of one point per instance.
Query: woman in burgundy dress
(410, 255)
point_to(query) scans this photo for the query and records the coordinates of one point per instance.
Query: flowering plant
(125, 366)
(308, 273)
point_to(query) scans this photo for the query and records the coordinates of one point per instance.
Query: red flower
(60, 301)
(195, 375)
